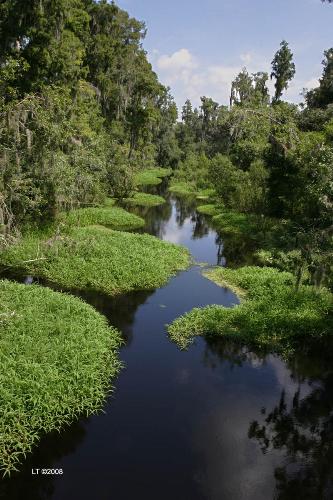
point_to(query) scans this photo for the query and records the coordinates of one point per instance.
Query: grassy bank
(272, 315)
(98, 258)
(151, 177)
(145, 200)
(57, 355)
(112, 217)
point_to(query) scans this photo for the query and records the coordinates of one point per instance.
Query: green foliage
(322, 96)
(119, 173)
(193, 169)
(57, 355)
(81, 109)
(238, 189)
(112, 217)
(249, 89)
(152, 177)
(183, 188)
(207, 194)
(283, 69)
(272, 316)
(98, 258)
(235, 223)
(209, 209)
(145, 200)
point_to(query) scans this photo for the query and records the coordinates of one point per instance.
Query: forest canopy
(80, 107)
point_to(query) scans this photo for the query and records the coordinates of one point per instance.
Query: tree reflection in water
(302, 428)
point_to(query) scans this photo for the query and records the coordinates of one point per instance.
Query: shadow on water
(215, 422)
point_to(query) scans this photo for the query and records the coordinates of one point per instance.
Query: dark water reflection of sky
(178, 425)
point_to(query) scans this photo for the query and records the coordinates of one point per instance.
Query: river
(217, 421)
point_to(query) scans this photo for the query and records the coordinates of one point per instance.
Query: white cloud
(180, 60)
(191, 78)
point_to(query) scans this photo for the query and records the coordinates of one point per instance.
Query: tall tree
(260, 87)
(242, 88)
(323, 95)
(283, 69)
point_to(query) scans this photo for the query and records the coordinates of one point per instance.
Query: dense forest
(95, 161)
(82, 111)
(81, 108)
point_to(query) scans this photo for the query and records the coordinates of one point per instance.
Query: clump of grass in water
(206, 194)
(113, 217)
(145, 200)
(57, 357)
(273, 315)
(209, 209)
(183, 188)
(235, 223)
(152, 176)
(98, 258)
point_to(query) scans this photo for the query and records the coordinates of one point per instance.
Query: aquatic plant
(151, 177)
(272, 315)
(110, 216)
(210, 209)
(57, 357)
(183, 188)
(99, 258)
(206, 194)
(234, 222)
(145, 200)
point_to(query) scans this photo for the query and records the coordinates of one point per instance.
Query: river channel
(217, 421)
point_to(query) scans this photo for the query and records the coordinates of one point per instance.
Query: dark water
(216, 422)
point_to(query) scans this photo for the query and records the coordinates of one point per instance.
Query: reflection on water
(215, 422)
(300, 424)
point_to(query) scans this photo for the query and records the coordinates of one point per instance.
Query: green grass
(152, 177)
(112, 217)
(99, 258)
(273, 315)
(182, 188)
(206, 194)
(145, 200)
(234, 223)
(210, 209)
(57, 356)
(110, 202)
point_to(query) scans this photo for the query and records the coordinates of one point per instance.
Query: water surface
(215, 422)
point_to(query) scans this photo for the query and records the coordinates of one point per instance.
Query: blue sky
(198, 47)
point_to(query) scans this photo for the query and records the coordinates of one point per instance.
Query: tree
(242, 90)
(261, 92)
(322, 96)
(283, 69)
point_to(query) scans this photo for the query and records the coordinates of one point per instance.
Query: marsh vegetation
(57, 355)
(218, 225)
